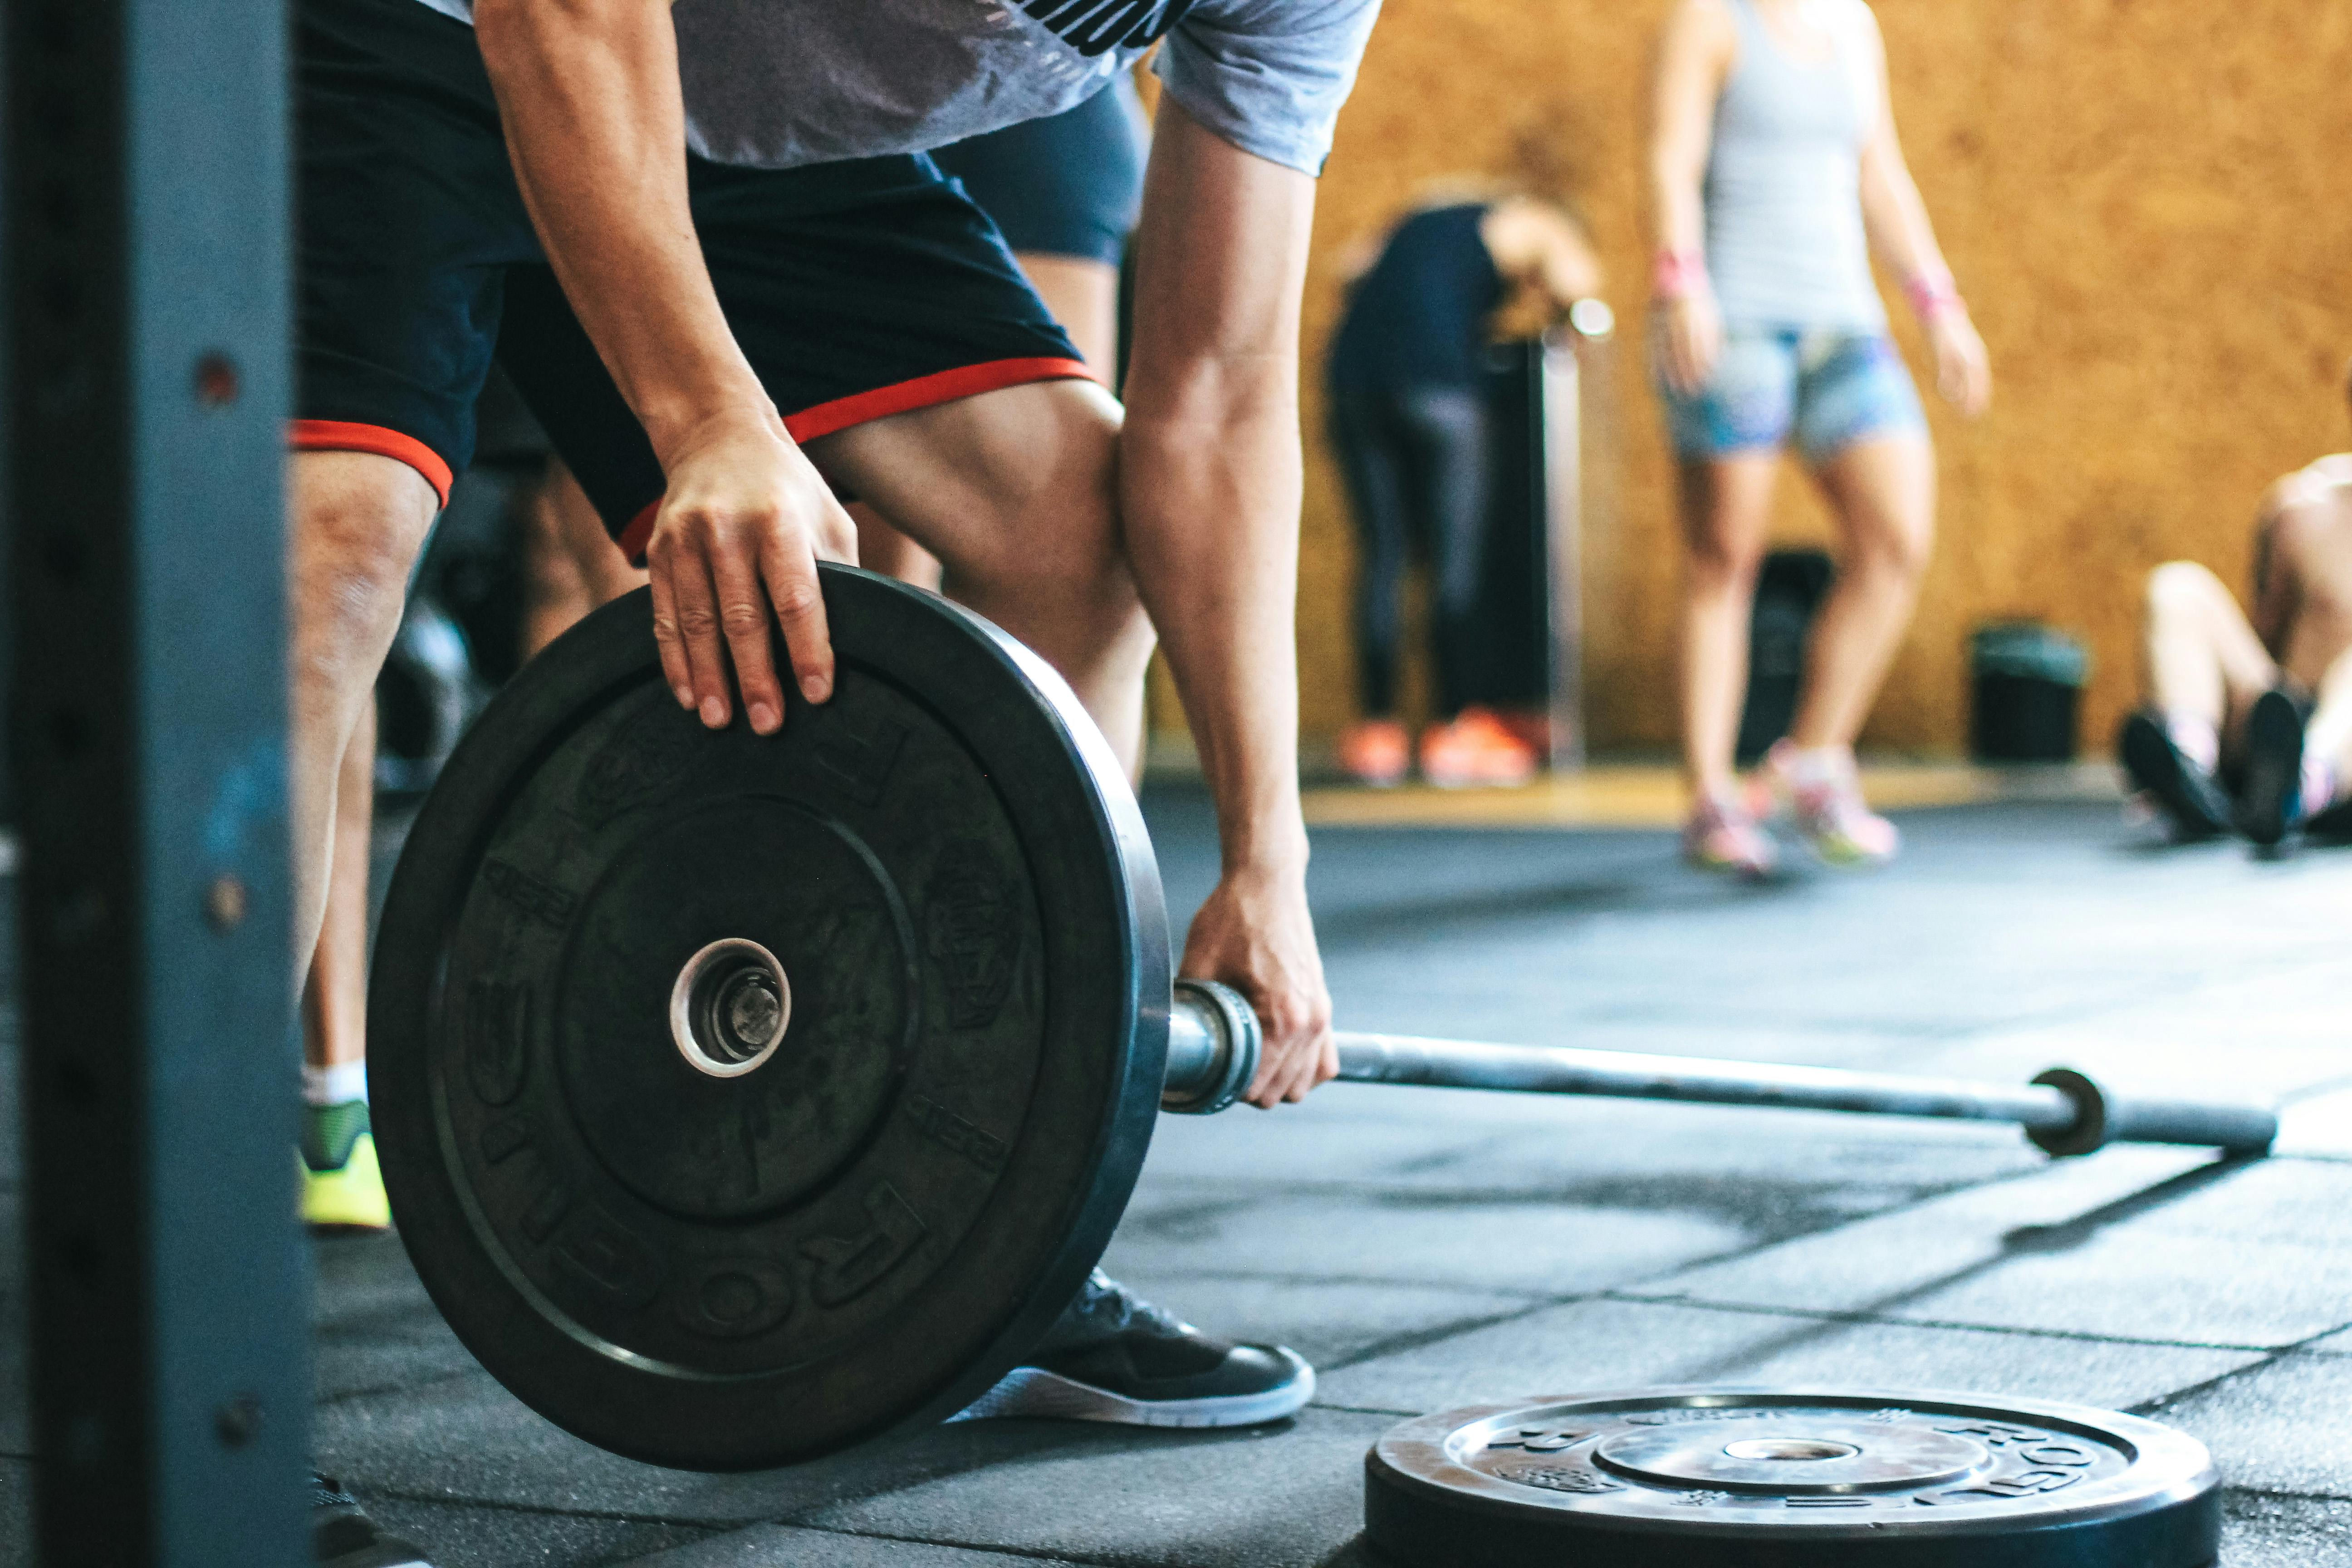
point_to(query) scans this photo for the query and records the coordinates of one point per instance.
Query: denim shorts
(1827, 390)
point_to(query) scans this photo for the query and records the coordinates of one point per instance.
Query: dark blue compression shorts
(856, 290)
(1070, 185)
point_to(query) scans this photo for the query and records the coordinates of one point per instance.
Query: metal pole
(148, 395)
(1558, 397)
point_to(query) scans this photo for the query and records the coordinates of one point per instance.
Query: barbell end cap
(2088, 1133)
(1233, 1023)
(2238, 1131)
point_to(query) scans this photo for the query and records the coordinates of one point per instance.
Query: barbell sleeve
(1214, 1044)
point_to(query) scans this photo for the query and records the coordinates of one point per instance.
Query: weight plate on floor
(744, 1098)
(1765, 1478)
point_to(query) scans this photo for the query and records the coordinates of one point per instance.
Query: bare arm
(1538, 245)
(1695, 54)
(1209, 488)
(595, 122)
(1896, 220)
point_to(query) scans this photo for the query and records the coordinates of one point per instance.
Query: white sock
(1820, 767)
(336, 1085)
(2318, 785)
(2194, 738)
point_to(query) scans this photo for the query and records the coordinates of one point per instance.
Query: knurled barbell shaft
(1213, 1047)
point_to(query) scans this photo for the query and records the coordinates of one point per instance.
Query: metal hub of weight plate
(741, 1098)
(1761, 1477)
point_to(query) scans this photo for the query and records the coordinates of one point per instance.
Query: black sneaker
(1115, 1357)
(343, 1536)
(2272, 800)
(2189, 795)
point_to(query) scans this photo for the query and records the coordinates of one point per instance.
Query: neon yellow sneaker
(343, 1188)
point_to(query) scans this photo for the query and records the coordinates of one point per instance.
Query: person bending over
(2248, 721)
(1409, 422)
(712, 251)
(1776, 170)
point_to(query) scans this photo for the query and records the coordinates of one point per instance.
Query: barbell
(741, 1098)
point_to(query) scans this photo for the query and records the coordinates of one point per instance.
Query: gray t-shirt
(779, 83)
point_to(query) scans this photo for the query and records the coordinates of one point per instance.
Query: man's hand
(1693, 334)
(741, 531)
(1255, 935)
(1963, 369)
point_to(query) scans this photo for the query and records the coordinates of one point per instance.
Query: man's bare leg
(334, 997)
(342, 1186)
(356, 525)
(573, 556)
(1083, 295)
(1013, 490)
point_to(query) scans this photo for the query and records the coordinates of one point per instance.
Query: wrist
(678, 421)
(1932, 293)
(1679, 275)
(1271, 849)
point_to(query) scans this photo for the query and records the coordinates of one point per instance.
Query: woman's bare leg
(1726, 507)
(1884, 492)
(1083, 295)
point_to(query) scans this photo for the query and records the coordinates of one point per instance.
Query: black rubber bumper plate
(1772, 1478)
(743, 1098)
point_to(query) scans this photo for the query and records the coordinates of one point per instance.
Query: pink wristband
(1680, 273)
(1931, 294)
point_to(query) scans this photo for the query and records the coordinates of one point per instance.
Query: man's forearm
(595, 122)
(1210, 496)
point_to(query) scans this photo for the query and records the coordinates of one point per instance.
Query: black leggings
(1416, 463)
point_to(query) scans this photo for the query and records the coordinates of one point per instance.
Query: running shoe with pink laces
(1825, 791)
(1723, 836)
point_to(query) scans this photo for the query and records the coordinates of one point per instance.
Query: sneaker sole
(2153, 765)
(2274, 769)
(1033, 1392)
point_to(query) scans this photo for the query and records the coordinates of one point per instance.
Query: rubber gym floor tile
(466, 1441)
(1525, 1243)
(788, 1546)
(1281, 1497)
(2320, 1126)
(1325, 1321)
(1593, 1346)
(455, 1537)
(2132, 1243)
(2260, 1531)
(2284, 1426)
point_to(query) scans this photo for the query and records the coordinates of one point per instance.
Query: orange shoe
(1375, 751)
(1475, 750)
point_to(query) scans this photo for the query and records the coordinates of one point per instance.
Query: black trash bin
(2028, 681)
(1789, 590)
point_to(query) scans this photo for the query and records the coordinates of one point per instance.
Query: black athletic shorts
(856, 290)
(1068, 184)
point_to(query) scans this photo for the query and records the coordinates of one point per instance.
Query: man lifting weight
(2249, 720)
(708, 248)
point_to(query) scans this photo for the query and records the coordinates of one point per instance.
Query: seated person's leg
(2294, 762)
(2327, 744)
(2205, 667)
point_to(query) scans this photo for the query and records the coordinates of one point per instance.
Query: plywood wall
(2149, 203)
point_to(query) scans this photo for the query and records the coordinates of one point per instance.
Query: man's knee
(356, 525)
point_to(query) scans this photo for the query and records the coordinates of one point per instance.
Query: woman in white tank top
(1775, 173)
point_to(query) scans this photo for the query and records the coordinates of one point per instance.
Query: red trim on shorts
(929, 392)
(900, 397)
(341, 435)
